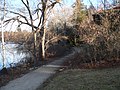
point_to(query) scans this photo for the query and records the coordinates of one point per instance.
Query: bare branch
(30, 14)
(56, 38)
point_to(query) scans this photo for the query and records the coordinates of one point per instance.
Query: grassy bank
(84, 79)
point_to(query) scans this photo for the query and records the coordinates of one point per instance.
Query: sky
(67, 2)
(86, 2)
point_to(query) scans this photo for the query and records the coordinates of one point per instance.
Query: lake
(11, 55)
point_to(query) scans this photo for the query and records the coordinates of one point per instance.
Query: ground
(75, 76)
(36, 77)
(85, 79)
(103, 75)
(22, 69)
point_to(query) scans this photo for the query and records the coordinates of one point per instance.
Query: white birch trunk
(43, 44)
(3, 46)
(3, 42)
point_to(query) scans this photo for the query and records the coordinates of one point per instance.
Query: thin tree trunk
(35, 57)
(3, 42)
(43, 29)
(3, 47)
(43, 44)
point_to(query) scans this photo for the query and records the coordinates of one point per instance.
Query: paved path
(35, 78)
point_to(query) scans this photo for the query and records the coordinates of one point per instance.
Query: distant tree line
(16, 37)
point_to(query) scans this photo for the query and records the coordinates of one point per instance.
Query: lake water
(11, 55)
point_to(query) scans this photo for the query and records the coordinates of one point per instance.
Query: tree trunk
(43, 44)
(3, 47)
(43, 28)
(3, 42)
(35, 57)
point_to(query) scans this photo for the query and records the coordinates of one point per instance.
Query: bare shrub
(102, 42)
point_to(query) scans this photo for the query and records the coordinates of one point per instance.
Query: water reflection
(11, 54)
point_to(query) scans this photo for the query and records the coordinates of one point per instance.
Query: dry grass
(92, 79)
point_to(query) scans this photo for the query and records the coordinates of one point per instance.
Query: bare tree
(36, 18)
